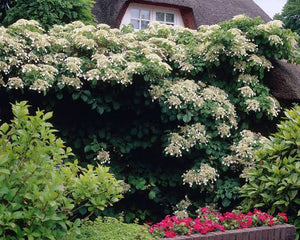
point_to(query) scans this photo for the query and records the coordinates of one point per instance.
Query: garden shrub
(40, 191)
(50, 12)
(171, 110)
(109, 229)
(274, 182)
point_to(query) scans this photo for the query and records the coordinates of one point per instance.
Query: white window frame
(153, 10)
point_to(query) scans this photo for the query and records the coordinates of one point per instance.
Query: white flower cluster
(203, 176)
(43, 71)
(186, 91)
(252, 105)
(247, 91)
(240, 66)
(275, 39)
(74, 65)
(274, 106)
(14, 82)
(156, 92)
(260, 61)
(243, 150)
(222, 107)
(71, 81)
(270, 25)
(240, 46)
(40, 85)
(103, 157)
(4, 67)
(38, 41)
(81, 41)
(186, 138)
(224, 130)
(181, 208)
(248, 79)
(21, 23)
(240, 17)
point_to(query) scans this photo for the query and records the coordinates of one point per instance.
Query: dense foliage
(291, 15)
(274, 183)
(169, 108)
(40, 192)
(109, 229)
(211, 221)
(50, 12)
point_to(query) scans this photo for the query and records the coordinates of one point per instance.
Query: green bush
(274, 184)
(50, 12)
(174, 107)
(40, 192)
(109, 229)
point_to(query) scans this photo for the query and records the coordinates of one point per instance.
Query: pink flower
(271, 223)
(204, 210)
(220, 227)
(262, 217)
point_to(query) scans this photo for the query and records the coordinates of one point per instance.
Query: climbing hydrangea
(202, 80)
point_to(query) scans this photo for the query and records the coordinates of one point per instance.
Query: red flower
(170, 234)
(271, 223)
(250, 214)
(283, 215)
(249, 221)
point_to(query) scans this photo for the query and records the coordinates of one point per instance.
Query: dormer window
(140, 15)
(140, 18)
(167, 18)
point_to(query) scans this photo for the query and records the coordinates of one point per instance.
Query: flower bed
(278, 232)
(210, 224)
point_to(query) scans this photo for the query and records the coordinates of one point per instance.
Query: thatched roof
(284, 80)
(205, 11)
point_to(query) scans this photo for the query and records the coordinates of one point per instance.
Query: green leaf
(152, 195)
(292, 194)
(4, 127)
(280, 202)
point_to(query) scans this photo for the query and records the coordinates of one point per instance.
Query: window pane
(145, 14)
(144, 24)
(169, 17)
(135, 13)
(136, 23)
(160, 16)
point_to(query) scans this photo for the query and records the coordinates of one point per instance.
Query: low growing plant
(40, 191)
(110, 229)
(274, 184)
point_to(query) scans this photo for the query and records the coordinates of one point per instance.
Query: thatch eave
(284, 80)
